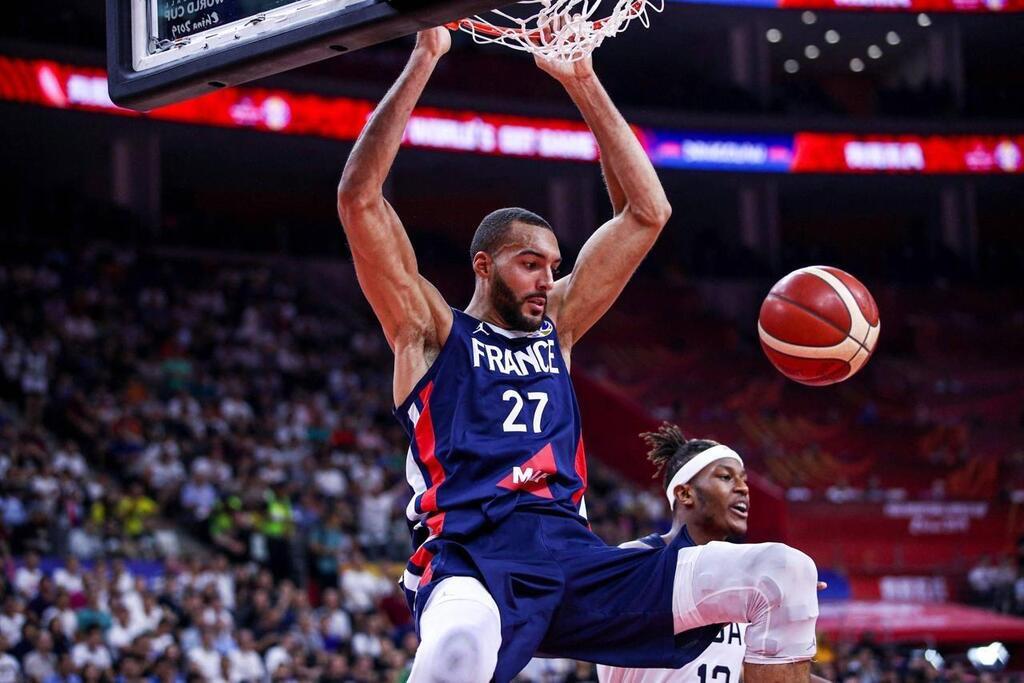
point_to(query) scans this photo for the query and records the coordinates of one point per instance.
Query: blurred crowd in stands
(233, 438)
(201, 479)
(867, 661)
(997, 583)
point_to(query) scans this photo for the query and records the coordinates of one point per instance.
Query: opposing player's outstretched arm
(614, 251)
(412, 312)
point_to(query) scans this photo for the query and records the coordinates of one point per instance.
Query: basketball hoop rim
(472, 25)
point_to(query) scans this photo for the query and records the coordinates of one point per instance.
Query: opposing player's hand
(822, 586)
(434, 41)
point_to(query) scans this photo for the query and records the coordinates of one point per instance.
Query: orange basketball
(818, 325)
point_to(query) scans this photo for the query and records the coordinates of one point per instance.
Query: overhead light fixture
(892, 38)
(923, 20)
(812, 52)
(874, 51)
(831, 36)
(856, 65)
(791, 66)
(773, 35)
(808, 17)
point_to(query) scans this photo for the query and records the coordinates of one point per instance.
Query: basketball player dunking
(506, 565)
(706, 486)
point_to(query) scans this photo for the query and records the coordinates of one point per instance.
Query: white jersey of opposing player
(722, 662)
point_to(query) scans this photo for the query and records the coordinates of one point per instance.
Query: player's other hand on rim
(434, 41)
(563, 71)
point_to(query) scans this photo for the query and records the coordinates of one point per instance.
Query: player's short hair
(490, 234)
(670, 449)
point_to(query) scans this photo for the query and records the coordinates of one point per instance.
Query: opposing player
(505, 564)
(706, 486)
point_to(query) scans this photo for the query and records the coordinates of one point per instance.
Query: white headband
(696, 464)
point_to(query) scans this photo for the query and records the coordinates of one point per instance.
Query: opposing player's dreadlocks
(670, 450)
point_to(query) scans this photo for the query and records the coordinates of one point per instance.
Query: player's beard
(511, 309)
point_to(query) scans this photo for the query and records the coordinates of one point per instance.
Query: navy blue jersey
(656, 541)
(495, 430)
(494, 427)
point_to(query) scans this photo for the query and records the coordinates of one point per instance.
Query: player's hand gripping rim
(558, 69)
(434, 42)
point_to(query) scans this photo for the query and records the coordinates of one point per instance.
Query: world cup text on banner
(50, 84)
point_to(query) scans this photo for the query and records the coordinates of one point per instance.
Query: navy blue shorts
(563, 592)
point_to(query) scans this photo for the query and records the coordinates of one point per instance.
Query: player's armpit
(604, 266)
(406, 304)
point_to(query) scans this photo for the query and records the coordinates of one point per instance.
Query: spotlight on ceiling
(856, 65)
(892, 38)
(808, 17)
(874, 51)
(923, 20)
(791, 66)
(831, 36)
(773, 35)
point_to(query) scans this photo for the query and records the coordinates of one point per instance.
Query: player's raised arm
(613, 252)
(413, 314)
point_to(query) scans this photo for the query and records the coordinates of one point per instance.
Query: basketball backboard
(164, 51)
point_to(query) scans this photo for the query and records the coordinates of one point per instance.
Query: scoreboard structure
(165, 51)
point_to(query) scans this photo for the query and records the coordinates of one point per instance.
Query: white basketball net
(564, 30)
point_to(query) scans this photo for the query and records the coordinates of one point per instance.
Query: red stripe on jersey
(422, 557)
(581, 471)
(425, 451)
(428, 501)
(428, 573)
(435, 523)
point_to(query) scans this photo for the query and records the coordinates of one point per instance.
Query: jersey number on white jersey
(720, 674)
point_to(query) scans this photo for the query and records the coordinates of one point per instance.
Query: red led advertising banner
(278, 111)
(984, 6)
(961, 6)
(60, 86)
(839, 153)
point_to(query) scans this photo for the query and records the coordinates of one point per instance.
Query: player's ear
(684, 494)
(482, 264)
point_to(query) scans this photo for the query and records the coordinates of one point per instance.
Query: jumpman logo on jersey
(481, 328)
